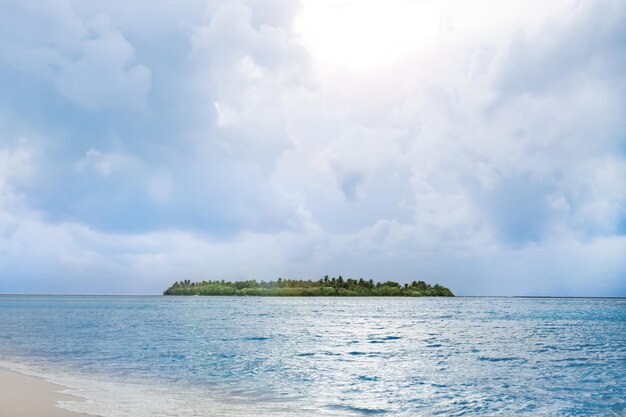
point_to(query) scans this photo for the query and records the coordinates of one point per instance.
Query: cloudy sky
(478, 144)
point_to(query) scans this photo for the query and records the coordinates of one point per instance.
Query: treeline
(324, 287)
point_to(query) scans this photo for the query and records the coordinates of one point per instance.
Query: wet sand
(28, 396)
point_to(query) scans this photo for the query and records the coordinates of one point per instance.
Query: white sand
(28, 396)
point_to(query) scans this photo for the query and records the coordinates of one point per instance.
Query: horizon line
(455, 296)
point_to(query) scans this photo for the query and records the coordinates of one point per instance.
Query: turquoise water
(220, 356)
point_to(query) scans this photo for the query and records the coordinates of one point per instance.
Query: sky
(476, 144)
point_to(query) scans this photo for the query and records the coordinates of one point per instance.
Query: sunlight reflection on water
(159, 356)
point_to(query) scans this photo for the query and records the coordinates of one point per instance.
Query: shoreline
(30, 396)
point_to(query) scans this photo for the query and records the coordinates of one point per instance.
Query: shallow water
(217, 356)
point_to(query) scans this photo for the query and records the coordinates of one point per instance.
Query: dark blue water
(159, 356)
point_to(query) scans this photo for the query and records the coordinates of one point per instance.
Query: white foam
(107, 397)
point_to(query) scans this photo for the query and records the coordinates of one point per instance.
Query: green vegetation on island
(326, 287)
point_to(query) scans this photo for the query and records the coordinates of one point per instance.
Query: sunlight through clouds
(476, 144)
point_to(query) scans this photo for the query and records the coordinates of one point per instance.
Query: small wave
(257, 338)
(384, 339)
(501, 359)
(359, 410)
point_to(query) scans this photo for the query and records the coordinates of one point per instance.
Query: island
(325, 287)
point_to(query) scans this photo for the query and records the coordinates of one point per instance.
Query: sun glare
(359, 35)
(366, 33)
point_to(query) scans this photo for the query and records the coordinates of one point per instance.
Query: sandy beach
(28, 396)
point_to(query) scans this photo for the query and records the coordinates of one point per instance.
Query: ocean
(245, 356)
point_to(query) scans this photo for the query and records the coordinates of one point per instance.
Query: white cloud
(104, 74)
(490, 157)
(104, 164)
(16, 165)
(89, 62)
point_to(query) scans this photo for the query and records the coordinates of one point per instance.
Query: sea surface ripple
(226, 356)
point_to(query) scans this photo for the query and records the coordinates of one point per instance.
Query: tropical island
(325, 287)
